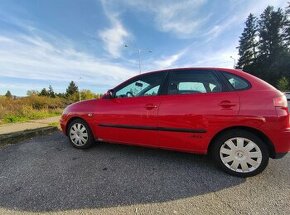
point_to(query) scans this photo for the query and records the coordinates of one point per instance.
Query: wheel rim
(78, 134)
(241, 155)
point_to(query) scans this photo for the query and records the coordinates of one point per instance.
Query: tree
(72, 89)
(43, 92)
(264, 47)
(271, 57)
(87, 94)
(8, 94)
(283, 84)
(271, 24)
(287, 27)
(32, 92)
(51, 92)
(62, 95)
(248, 44)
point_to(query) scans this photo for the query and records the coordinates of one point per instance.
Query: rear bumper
(281, 142)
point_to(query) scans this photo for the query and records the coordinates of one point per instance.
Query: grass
(55, 124)
(32, 115)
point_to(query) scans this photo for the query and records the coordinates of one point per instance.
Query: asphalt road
(46, 174)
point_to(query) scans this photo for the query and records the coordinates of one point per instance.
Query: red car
(237, 118)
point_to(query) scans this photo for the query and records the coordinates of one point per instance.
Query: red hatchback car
(236, 117)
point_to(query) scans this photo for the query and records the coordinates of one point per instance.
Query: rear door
(195, 106)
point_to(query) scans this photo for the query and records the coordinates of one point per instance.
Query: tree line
(72, 93)
(264, 47)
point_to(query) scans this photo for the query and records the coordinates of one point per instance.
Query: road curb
(15, 137)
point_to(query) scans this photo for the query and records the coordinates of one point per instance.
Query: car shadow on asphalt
(47, 174)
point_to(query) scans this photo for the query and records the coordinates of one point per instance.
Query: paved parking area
(45, 174)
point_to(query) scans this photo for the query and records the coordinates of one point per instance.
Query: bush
(36, 107)
(28, 108)
(283, 84)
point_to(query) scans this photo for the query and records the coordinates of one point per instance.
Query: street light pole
(80, 95)
(234, 61)
(139, 52)
(139, 55)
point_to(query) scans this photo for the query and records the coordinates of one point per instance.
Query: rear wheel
(79, 134)
(240, 153)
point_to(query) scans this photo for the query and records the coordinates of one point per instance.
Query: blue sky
(45, 42)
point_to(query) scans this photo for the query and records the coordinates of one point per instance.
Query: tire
(240, 153)
(79, 134)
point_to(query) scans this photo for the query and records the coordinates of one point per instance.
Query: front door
(130, 117)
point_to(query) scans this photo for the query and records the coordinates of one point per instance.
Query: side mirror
(109, 94)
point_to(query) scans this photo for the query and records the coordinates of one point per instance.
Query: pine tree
(32, 92)
(271, 56)
(287, 27)
(247, 43)
(8, 94)
(43, 92)
(72, 89)
(271, 24)
(51, 92)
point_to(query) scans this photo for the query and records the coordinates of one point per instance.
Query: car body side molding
(186, 130)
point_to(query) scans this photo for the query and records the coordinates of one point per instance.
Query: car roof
(238, 71)
(196, 68)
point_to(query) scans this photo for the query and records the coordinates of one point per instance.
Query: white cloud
(217, 58)
(114, 38)
(239, 12)
(168, 61)
(181, 18)
(32, 57)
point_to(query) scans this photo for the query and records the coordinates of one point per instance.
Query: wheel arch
(255, 131)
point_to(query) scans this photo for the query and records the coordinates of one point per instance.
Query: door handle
(227, 104)
(150, 106)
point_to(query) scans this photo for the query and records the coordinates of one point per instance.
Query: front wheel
(240, 153)
(79, 134)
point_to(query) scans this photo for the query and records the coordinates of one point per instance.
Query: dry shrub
(31, 107)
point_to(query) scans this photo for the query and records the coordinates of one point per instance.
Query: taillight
(281, 107)
(280, 101)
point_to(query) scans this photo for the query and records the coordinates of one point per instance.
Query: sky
(95, 43)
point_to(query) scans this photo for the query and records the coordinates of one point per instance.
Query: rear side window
(193, 81)
(237, 82)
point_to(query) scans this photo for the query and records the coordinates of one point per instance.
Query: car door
(130, 116)
(195, 106)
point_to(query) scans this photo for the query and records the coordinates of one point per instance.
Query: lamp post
(139, 54)
(234, 60)
(80, 95)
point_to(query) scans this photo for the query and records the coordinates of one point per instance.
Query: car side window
(193, 81)
(236, 82)
(152, 92)
(144, 85)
